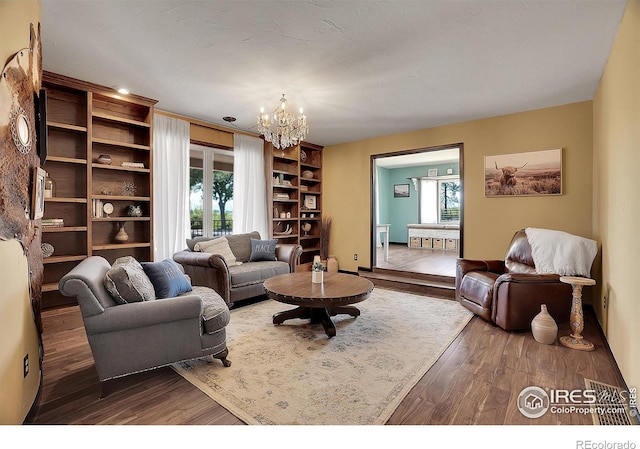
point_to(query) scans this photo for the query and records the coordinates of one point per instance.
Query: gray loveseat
(238, 282)
(149, 333)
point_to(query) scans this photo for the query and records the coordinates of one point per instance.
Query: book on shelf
(53, 222)
(97, 210)
(133, 164)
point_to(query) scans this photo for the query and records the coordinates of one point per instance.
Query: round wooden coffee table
(318, 302)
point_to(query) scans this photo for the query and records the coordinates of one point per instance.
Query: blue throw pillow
(263, 250)
(167, 278)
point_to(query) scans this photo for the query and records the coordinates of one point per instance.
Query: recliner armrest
(289, 252)
(464, 266)
(147, 313)
(526, 278)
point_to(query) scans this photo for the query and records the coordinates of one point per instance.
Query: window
(211, 191)
(439, 200)
(449, 210)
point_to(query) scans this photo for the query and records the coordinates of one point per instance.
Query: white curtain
(170, 186)
(377, 199)
(249, 186)
(428, 201)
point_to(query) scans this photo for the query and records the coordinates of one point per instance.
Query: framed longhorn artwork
(523, 174)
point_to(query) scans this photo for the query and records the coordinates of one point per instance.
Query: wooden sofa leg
(223, 357)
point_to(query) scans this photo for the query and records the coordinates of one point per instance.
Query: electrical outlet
(25, 365)
(355, 257)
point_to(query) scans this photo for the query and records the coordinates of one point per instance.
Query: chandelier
(283, 130)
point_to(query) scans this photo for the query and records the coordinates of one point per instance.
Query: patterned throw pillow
(263, 250)
(221, 247)
(167, 278)
(127, 282)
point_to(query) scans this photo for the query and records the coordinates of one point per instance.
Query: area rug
(293, 374)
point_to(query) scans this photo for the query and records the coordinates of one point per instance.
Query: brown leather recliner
(509, 292)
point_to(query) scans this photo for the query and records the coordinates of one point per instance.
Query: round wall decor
(21, 130)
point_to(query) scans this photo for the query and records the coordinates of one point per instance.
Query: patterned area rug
(294, 374)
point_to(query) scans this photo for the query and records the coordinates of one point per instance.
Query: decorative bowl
(104, 159)
(307, 174)
(47, 250)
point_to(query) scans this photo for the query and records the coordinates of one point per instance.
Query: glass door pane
(196, 193)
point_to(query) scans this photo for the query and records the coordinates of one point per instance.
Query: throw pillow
(127, 282)
(191, 243)
(167, 278)
(263, 250)
(219, 246)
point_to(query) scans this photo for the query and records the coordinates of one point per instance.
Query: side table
(384, 229)
(576, 340)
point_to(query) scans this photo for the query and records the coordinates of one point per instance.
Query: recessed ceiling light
(122, 90)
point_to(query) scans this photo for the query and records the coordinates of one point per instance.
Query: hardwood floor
(418, 260)
(475, 381)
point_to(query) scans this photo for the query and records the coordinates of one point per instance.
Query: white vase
(544, 327)
(317, 277)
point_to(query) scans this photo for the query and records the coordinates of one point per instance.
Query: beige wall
(616, 111)
(489, 223)
(15, 18)
(17, 330)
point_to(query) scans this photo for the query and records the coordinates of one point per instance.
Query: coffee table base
(317, 315)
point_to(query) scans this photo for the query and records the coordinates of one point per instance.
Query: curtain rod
(205, 124)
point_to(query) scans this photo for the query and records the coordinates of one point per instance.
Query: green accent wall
(399, 212)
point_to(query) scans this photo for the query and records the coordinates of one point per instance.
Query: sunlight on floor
(418, 260)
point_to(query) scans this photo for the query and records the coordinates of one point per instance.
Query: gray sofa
(236, 283)
(138, 336)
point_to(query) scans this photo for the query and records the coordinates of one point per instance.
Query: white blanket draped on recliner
(561, 253)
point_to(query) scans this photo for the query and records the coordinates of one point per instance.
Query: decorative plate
(303, 155)
(21, 130)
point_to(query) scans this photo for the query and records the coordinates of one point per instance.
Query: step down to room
(419, 283)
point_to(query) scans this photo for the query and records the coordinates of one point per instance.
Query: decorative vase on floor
(332, 264)
(544, 327)
(121, 236)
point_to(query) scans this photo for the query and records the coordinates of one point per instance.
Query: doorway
(417, 210)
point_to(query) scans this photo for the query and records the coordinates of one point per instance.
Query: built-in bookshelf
(294, 178)
(99, 163)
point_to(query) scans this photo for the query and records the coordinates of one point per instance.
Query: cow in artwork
(508, 177)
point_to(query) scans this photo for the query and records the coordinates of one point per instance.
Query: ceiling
(446, 156)
(360, 69)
